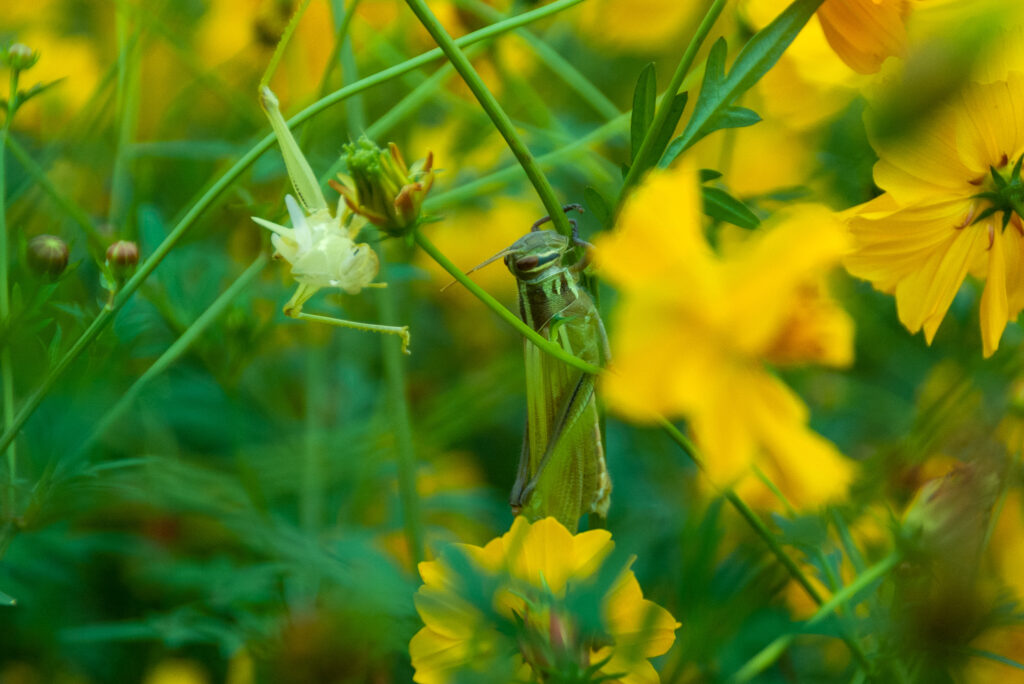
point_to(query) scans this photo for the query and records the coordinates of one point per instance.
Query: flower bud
(21, 56)
(47, 255)
(382, 188)
(122, 257)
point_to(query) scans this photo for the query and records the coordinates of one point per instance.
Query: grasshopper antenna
(494, 258)
(567, 208)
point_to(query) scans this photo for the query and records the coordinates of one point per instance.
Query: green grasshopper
(562, 469)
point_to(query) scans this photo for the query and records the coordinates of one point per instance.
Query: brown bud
(47, 255)
(122, 257)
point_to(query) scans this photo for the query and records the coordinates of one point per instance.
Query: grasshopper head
(534, 253)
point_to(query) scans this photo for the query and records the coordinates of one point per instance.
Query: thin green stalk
(311, 486)
(77, 214)
(279, 49)
(6, 369)
(499, 179)
(765, 534)
(217, 189)
(501, 120)
(174, 352)
(558, 65)
(773, 651)
(405, 449)
(494, 305)
(665, 105)
(339, 40)
(127, 100)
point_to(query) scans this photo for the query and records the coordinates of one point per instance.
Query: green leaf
(39, 88)
(645, 98)
(7, 599)
(719, 91)
(709, 175)
(598, 206)
(720, 205)
(668, 128)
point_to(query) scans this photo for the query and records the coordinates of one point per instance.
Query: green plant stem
(494, 305)
(773, 651)
(221, 184)
(279, 49)
(77, 214)
(497, 180)
(405, 449)
(174, 352)
(560, 66)
(665, 105)
(6, 369)
(498, 116)
(127, 101)
(764, 533)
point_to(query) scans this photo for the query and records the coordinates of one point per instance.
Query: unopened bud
(382, 188)
(21, 56)
(47, 255)
(122, 257)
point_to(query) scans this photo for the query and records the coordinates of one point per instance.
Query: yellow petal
(658, 234)
(865, 32)
(994, 307)
(989, 121)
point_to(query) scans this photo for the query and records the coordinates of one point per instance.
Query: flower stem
(766, 536)
(174, 352)
(498, 116)
(665, 105)
(105, 315)
(394, 370)
(773, 651)
(6, 371)
(545, 345)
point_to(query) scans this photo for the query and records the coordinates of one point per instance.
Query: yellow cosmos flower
(865, 32)
(930, 229)
(694, 330)
(514, 615)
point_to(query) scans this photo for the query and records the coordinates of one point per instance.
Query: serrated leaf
(645, 97)
(597, 206)
(720, 205)
(760, 54)
(709, 175)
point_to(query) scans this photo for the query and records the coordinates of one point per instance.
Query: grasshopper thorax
(537, 255)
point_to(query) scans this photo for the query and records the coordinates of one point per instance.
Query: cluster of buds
(380, 187)
(47, 255)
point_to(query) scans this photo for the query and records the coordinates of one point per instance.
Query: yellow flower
(865, 32)
(515, 617)
(930, 229)
(636, 25)
(694, 329)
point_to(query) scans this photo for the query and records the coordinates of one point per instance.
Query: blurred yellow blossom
(864, 33)
(177, 671)
(636, 25)
(694, 329)
(534, 568)
(930, 229)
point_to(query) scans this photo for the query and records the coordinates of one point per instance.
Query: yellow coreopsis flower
(515, 618)
(953, 193)
(694, 331)
(865, 32)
